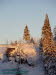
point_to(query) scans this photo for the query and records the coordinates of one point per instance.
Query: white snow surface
(7, 65)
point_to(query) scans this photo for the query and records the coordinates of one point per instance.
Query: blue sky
(15, 14)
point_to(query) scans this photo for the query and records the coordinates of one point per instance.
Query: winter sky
(15, 14)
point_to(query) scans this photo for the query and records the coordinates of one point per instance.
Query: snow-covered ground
(7, 66)
(38, 69)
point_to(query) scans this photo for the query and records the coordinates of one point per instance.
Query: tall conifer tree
(47, 37)
(55, 35)
(26, 36)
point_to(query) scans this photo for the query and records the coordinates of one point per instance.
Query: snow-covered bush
(23, 53)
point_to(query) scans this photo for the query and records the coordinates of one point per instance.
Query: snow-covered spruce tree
(32, 41)
(48, 46)
(54, 35)
(26, 35)
(47, 37)
(41, 47)
(54, 32)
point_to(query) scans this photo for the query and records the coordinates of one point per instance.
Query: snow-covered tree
(47, 37)
(54, 32)
(32, 41)
(49, 48)
(26, 35)
(54, 35)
